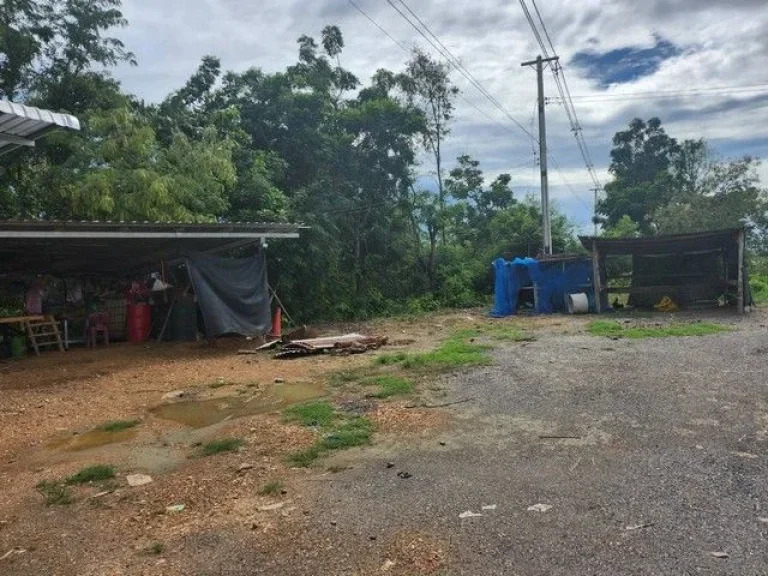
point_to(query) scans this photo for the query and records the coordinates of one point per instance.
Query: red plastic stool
(98, 322)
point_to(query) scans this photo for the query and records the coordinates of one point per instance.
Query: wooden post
(740, 287)
(596, 274)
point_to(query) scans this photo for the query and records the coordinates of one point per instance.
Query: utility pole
(545, 220)
(596, 190)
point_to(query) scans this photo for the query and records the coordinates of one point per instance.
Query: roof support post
(740, 288)
(596, 275)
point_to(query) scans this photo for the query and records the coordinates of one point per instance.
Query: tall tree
(640, 165)
(426, 82)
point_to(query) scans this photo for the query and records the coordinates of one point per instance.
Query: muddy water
(91, 439)
(201, 413)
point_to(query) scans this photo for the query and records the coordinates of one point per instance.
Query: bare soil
(669, 433)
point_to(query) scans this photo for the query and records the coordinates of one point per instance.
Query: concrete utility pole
(545, 220)
(594, 216)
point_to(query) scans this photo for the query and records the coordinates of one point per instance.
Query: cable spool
(578, 303)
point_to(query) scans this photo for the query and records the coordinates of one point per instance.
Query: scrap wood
(265, 346)
(344, 344)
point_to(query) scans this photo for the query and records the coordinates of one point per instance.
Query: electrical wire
(562, 87)
(454, 62)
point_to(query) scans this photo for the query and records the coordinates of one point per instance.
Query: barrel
(139, 322)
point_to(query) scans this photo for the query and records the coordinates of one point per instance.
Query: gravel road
(651, 453)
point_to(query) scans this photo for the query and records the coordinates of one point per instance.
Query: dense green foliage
(309, 144)
(315, 144)
(665, 186)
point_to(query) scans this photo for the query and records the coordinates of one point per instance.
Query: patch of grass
(353, 432)
(310, 414)
(303, 458)
(613, 329)
(271, 488)
(759, 286)
(497, 331)
(96, 473)
(345, 377)
(55, 492)
(343, 433)
(154, 549)
(217, 384)
(456, 352)
(390, 386)
(117, 425)
(221, 445)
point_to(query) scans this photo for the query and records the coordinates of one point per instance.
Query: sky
(707, 58)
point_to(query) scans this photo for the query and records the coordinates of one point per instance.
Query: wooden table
(35, 326)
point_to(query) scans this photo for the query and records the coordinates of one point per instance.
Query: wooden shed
(698, 269)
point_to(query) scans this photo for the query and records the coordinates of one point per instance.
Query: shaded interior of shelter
(705, 269)
(90, 267)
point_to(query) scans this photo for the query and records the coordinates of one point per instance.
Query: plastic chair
(98, 322)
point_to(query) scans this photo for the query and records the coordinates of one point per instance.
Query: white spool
(578, 303)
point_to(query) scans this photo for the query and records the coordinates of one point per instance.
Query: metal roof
(69, 247)
(664, 244)
(21, 125)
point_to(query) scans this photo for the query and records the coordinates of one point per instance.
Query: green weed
(217, 384)
(343, 433)
(390, 386)
(154, 549)
(613, 329)
(345, 377)
(311, 414)
(117, 425)
(304, 458)
(456, 352)
(55, 492)
(94, 473)
(759, 287)
(221, 445)
(271, 488)
(353, 432)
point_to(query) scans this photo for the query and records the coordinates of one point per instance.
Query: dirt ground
(666, 437)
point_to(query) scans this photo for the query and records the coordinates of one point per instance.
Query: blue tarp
(552, 281)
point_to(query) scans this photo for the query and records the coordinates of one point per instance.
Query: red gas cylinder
(139, 321)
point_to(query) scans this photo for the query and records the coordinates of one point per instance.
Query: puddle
(201, 413)
(91, 439)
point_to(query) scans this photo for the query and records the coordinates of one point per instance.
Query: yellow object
(666, 305)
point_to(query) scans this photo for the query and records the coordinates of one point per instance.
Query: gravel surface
(651, 454)
(646, 456)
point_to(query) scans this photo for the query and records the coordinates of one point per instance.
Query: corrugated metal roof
(668, 243)
(258, 228)
(19, 122)
(36, 246)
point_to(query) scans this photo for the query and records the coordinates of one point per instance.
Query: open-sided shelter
(112, 262)
(697, 269)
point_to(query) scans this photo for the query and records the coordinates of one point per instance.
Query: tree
(722, 195)
(125, 173)
(426, 84)
(46, 43)
(640, 164)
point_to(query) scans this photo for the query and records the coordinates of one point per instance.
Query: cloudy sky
(699, 65)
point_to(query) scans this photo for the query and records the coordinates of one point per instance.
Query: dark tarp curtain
(232, 293)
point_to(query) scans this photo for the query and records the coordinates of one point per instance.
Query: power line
(454, 62)
(387, 34)
(665, 95)
(734, 88)
(408, 51)
(562, 87)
